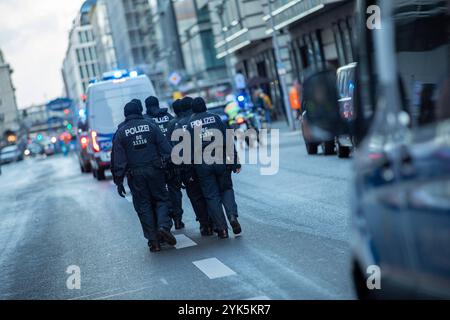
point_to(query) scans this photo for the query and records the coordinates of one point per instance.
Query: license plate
(105, 157)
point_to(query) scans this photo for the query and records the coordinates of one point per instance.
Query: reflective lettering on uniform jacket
(162, 123)
(139, 140)
(136, 130)
(163, 119)
(202, 122)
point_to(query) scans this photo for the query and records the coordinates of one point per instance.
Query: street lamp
(279, 67)
(194, 66)
(220, 11)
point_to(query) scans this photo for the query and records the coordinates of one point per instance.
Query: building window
(78, 55)
(92, 71)
(81, 73)
(93, 53)
(317, 47)
(348, 45)
(309, 50)
(339, 44)
(294, 57)
(84, 54)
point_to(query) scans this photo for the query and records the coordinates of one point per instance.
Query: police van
(104, 106)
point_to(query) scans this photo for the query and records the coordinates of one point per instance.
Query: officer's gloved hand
(121, 190)
(236, 168)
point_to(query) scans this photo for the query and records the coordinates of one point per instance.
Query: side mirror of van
(321, 107)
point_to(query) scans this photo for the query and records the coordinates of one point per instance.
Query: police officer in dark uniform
(140, 152)
(183, 112)
(162, 118)
(215, 178)
(141, 108)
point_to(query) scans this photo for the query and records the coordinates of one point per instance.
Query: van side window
(422, 53)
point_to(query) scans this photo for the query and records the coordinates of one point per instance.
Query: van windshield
(106, 104)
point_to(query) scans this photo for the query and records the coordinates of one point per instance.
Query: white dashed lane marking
(213, 268)
(184, 242)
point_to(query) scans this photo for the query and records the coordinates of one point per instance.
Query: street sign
(175, 78)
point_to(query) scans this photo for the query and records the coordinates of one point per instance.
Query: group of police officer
(142, 152)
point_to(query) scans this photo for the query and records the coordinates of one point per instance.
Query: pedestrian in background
(263, 102)
(140, 152)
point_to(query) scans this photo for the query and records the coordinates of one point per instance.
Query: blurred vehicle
(104, 107)
(82, 152)
(34, 149)
(49, 149)
(401, 205)
(346, 83)
(242, 119)
(316, 125)
(10, 154)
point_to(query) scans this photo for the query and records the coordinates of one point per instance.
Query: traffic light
(39, 137)
(69, 126)
(66, 112)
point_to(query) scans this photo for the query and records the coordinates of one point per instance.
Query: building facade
(241, 37)
(129, 24)
(101, 27)
(310, 33)
(206, 72)
(81, 63)
(165, 36)
(319, 32)
(8, 104)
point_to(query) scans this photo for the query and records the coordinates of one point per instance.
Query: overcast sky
(33, 38)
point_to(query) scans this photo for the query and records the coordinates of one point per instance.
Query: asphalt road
(294, 243)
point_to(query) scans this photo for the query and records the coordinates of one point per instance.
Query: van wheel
(328, 148)
(311, 148)
(101, 174)
(343, 152)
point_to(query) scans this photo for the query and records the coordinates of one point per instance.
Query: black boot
(235, 225)
(179, 224)
(206, 230)
(168, 237)
(222, 234)
(154, 246)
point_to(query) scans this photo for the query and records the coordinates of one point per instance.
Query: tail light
(95, 144)
(84, 142)
(240, 120)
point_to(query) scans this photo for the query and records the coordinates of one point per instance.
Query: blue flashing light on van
(119, 74)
